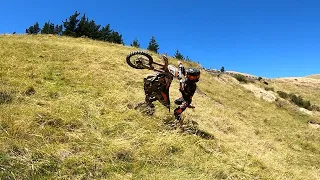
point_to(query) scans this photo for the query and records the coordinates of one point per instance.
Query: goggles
(193, 77)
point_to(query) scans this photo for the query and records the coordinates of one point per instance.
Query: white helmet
(173, 70)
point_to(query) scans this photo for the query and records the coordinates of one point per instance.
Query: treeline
(76, 26)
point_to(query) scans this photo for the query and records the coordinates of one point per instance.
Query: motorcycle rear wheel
(142, 60)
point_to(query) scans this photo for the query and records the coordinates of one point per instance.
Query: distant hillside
(306, 87)
(315, 76)
(66, 113)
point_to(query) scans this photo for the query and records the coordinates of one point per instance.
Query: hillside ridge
(66, 113)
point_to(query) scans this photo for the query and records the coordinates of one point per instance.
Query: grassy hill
(315, 76)
(306, 87)
(66, 113)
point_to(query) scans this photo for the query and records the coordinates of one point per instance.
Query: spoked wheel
(140, 60)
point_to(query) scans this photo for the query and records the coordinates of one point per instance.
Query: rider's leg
(179, 101)
(178, 111)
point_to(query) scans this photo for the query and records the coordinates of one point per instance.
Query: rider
(187, 88)
(156, 86)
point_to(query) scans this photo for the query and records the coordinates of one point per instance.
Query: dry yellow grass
(308, 88)
(315, 76)
(78, 123)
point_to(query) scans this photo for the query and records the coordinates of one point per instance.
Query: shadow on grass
(5, 97)
(190, 127)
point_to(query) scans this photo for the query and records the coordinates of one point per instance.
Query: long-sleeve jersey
(187, 90)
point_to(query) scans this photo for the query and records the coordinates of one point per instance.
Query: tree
(115, 37)
(135, 43)
(153, 45)
(104, 33)
(71, 25)
(82, 27)
(34, 29)
(76, 26)
(58, 29)
(87, 28)
(178, 55)
(48, 28)
(93, 30)
(188, 59)
(222, 69)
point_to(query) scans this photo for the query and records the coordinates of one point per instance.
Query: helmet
(193, 74)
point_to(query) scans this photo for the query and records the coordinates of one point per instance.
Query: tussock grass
(77, 122)
(306, 87)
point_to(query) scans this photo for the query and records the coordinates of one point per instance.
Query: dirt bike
(144, 60)
(159, 83)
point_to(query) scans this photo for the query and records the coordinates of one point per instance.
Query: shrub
(282, 94)
(315, 107)
(298, 100)
(240, 78)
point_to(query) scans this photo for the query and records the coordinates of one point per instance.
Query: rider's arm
(181, 70)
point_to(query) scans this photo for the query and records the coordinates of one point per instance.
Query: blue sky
(265, 38)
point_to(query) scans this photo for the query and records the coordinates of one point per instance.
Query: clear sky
(268, 38)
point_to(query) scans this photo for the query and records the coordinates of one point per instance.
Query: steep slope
(66, 113)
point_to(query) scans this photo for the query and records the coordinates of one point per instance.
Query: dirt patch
(261, 93)
(314, 124)
(306, 111)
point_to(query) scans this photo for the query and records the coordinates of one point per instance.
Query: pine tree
(71, 25)
(153, 45)
(178, 55)
(58, 29)
(222, 69)
(33, 29)
(135, 43)
(82, 27)
(93, 30)
(104, 33)
(115, 37)
(45, 29)
(48, 28)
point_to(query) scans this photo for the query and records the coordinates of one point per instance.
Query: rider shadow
(189, 127)
(142, 107)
